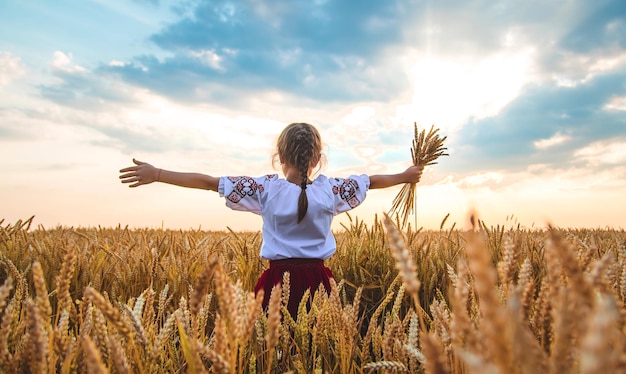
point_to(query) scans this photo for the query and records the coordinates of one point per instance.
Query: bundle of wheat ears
(425, 150)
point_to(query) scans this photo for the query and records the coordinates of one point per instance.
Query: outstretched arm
(410, 175)
(144, 173)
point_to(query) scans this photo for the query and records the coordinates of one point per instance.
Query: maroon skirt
(304, 274)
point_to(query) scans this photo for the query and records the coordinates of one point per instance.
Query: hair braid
(304, 159)
(300, 145)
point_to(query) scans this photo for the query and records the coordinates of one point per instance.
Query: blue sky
(532, 97)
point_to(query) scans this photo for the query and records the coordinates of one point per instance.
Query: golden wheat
(425, 150)
(93, 357)
(5, 290)
(490, 300)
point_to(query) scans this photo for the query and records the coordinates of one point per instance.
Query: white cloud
(11, 68)
(200, 127)
(208, 57)
(289, 57)
(359, 116)
(117, 63)
(63, 62)
(616, 103)
(555, 139)
(482, 180)
(579, 69)
(310, 77)
(608, 63)
(367, 152)
(575, 197)
(603, 152)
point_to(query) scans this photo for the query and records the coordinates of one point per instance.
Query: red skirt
(304, 274)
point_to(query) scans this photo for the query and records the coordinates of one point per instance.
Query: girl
(297, 212)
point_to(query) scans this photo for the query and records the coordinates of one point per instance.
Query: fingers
(129, 178)
(129, 173)
(415, 173)
(130, 168)
(134, 175)
(133, 168)
(136, 182)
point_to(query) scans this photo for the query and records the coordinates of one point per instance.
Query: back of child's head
(300, 145)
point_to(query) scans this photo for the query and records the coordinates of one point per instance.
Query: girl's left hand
(142, 173)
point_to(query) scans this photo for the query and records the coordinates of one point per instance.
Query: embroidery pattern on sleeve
(242, 187)
(347, 191)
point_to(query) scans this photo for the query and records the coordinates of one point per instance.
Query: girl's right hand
(142, 173)
(413, 174)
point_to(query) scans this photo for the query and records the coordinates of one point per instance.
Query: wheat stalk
(117, 355)
(526, 284)
(495, 331)
(528, 354)
(436, 360)
(20, 287)
(426, 149)
(140, 335)
(166, 332)
(404, 264)
(41, 292)
(93, 358)
(5, 290)
(219, 364)
(202, 286)
(63, 281)
(403, 260)
(38, 338)
(508, 264)
(561, 309)
(5, 329)
(273, 321)
(597, 355)
(112, 314)
(253, 306)
(461, 323)
(384, 366)
(61, 336)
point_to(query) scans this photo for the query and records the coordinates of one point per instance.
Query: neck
(292, 174)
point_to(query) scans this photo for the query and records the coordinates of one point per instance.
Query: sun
(450, 91)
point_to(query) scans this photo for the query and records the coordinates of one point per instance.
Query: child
(297, 212)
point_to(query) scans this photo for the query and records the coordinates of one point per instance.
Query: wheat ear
(385, 366)
(111, 313)
(425, 150)
(5, 290)
(202, 286)
(38, 338)
(63, 281)
(93, 358)
(273, 322)
(405, 265)
(596, 355)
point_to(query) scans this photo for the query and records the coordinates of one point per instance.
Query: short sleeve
(244, 193)
(349, 192)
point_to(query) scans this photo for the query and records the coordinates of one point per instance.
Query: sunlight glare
(449, 93)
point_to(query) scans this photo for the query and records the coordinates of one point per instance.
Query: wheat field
(490, 299)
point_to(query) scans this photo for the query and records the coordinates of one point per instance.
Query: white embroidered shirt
(276, 200)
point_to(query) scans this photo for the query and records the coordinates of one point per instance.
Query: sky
(531, 96)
